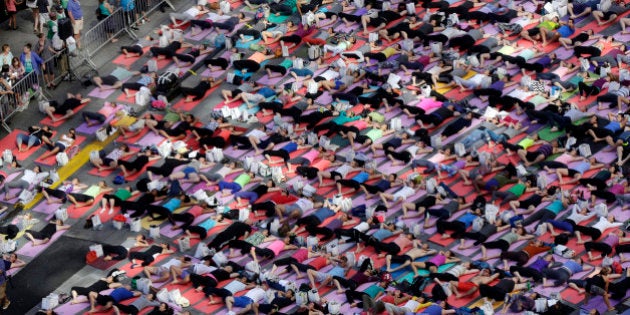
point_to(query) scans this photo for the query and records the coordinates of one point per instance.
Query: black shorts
(533, 31)
(335, 175)
(109, 80)
(428, 264)
(104, 299)
(82, 197)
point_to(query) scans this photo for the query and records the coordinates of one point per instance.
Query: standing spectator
(105, 10)
(75, 13)
(17, 69)
(45, 50)
(31, 60)
(35, 10)
(11, 11)
(6, 56)
(128, 7)
(3, 287)
(42, 6)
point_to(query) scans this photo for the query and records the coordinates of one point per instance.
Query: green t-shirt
(123, 194)
(64, 4)
(526, 143)
(242, 179)
(518, 189)
(52, 29)
(92, 191)
(287, 63)
(550, 25)
(374, 134)
(555, 206)
(377, 117)
(342, 119)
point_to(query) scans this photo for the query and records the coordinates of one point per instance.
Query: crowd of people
(389, 157)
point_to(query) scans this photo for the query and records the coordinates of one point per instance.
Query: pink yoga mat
(71, 309)
(31, 251)
(96, 92)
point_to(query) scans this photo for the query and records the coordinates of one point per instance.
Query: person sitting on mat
(44, 235)
(66, 109)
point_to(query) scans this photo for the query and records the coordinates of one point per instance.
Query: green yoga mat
(278, 18)
(409, 276)
(537, 100)
(547, 135)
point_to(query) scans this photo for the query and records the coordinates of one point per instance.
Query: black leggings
(250, 65)
(216, 62)
(603, 248)
(202, 24)
(456, 227)
(503, 245)
(295, 39)
(463, 42)
(587, 90)
(234, 231)
(146, 258)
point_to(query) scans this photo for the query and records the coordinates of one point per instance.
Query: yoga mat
(96, 92)
(102, 264)
(48, 121)
(44, 207)
(72, 309)
(52, 160)
(77, 212)
(271, 82)
(122, 60)
(150, 139)
(572, 296)
(188, 106)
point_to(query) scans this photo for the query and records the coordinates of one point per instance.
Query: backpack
(99, 15)
(260, 13)
(166, 81)
(314, 52)
(119, 180)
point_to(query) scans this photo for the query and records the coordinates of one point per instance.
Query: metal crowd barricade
(142, 9)
(102, 33)
(25, 89)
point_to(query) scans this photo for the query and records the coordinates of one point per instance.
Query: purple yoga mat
(44, 207)
(606, 156)
(622, 37)
(198, 37)
(30, 251)
(214, 74)
(341, 27)
(168, 232)
(490, 29)
(71, 309)
(325, 98)
(468, 252)
(271, 82)
(150, 139)
(564, 53)
(96, 92)
(84, 129)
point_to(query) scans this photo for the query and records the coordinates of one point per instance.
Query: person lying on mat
(61, 192)
(36, 136)
(66, 109)
(463, 289)
(172, 130)
(136, 50)
(102, 303)
(146, 80)
(138, 305)
(405, 259)
(108, 282)
(104, 161)
(44, 235)
(65, 141)
(147, 257)
(12, 261)
(28, 179)
(188, 15)
(111, 252)
(87, 197)
(197, 93)
(143, 158)
(117, 198)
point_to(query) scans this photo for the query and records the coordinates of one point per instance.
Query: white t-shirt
(362, 227)
(256, 294)
(192, 11)
(329, 74)
(304, 204)
(404, 193)
(235, 286)
(256, 133)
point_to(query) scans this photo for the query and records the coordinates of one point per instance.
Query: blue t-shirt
(362, 177)
(323, 214)
(433, 309)
(573, 266)
(127, 5)
(382, 234)
(208, 224)
(555, 206)
(121, 294)
(337, 272)
(172, 204)
(266, 92)
(74, 7)
(383, 184)
(467, 219)
(290, 147)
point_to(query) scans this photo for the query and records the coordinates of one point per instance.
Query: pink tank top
(276, 246)
(438, 260)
